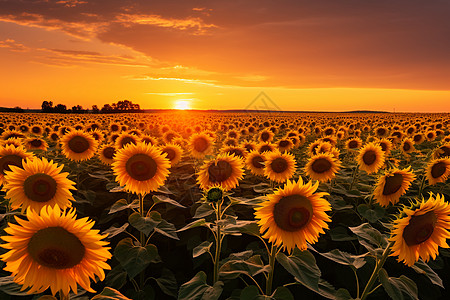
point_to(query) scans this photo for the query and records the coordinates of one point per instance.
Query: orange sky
(305, 55)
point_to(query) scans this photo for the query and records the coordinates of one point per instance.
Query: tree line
(119, 107)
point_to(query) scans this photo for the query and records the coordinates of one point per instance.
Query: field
(197, 205)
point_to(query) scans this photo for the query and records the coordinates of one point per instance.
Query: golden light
(182, 104)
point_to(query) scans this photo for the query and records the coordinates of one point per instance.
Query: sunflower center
(393, 184)
(56, 248)
(265, 136)
(170, 153)
(279, 165)
(406, 146)
(369, 157)
(200, 144)
(417, 137)
(353, 144)
(40, 187)
(10, 160)
(109, 152)
(284, 143)
(78, 144)
(141, 167)
(127, 140)
(383, 146)
(265, 148)
(36, 143)
(444, 151)
(321, 165)
(220, 171)
(114, 127)
(292, 212)
(236, 152)
(419, 229)
(258, 162)
(438, 169)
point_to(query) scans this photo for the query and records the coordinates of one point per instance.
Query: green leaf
(247, 227)
(143, 224)
(202, 249)
(371, 214)
(118, 189)
(113, 230)
(242, 264)
(11, 213)
(167, 283)
(422, 267)
(340, 234)
(244, 201)
(122, 204)
(203, 210)
(250, 292)
(343, 258)
(370, 237)
(167, 229)
(134, 259)
(8, 286)
(164, 199)
(196, 223)
(396, 288)
(198, 289)
(342, 294)
(164, 190)
(282, 293)
(338, 203)
(110, 294)
(302, 265)
(116, 278)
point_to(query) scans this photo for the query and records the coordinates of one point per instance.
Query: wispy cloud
(170, 94)
(13, 45)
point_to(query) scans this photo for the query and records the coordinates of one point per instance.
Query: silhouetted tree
(95, 109)
(60, 108)
(47, 106)
(107, 109)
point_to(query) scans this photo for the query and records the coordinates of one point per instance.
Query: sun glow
(182, 104)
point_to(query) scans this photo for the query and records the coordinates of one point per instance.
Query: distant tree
(60, 108)
(47, 106)
(106, 109)
(95, 109)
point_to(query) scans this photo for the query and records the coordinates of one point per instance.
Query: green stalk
(142, 236)
(272, 255)
(422, 185)
(218, 242)
(62, 296)
(378, 266)
(354, 175)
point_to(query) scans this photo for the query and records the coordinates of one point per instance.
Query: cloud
(13, 45)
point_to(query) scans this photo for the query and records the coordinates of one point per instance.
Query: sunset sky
(305, 55)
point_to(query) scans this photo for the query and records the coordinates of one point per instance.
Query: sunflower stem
(422, 184)
(63, 296)
(142, 236)
(379, 264)
(272, 255)
(354, 176)
(218, 237)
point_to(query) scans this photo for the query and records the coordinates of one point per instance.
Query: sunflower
(106, 153)
(34, 143)
(225, 170)
(279, 166)
(249, 146)
(294, 215)
(10, 134)
(438, 170)
(200, 144)
(54, 249)
(392, 185)
(77, 145)
(266, 147)
(421, 229)
(13, 141)
(285, 145)
(418, 138)
(370, 158)
(173, 153)
(140, 168)
(265, 136)
(238, 151)
(386, 146)
(126, 138)
(407, 146)
(312, 148)
(255, 162)
(39, 183)
(11, 155)
(322, 167)
(353, 143)
(442, 151)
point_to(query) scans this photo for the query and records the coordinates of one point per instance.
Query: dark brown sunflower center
(417, 137)
(258, 162)
(109, 152)
(393, 184)
(114, 127)
(279, 165)
(381, 131)
(369, 157)
(220, 171)
(406, 146)
(141, 167)
(265, 136)
(249, 147)
(40, 187)
(10, 160)
(292, 212)
(56, 248)
(36, 143)
(36, 130)
(419, 229)
(444, 151)
(437, 170)
(236, 152)
(265, 148)
(127, 140)
(54, 137)
(383, 146)
(284, 143)
(353, 144)
(200, 144)
(78, 144)
(321, 165)
(170, 153)
(329, 131)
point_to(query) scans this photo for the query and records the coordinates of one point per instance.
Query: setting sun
(182, 104)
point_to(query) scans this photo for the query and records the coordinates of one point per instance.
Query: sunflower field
(197, 205)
